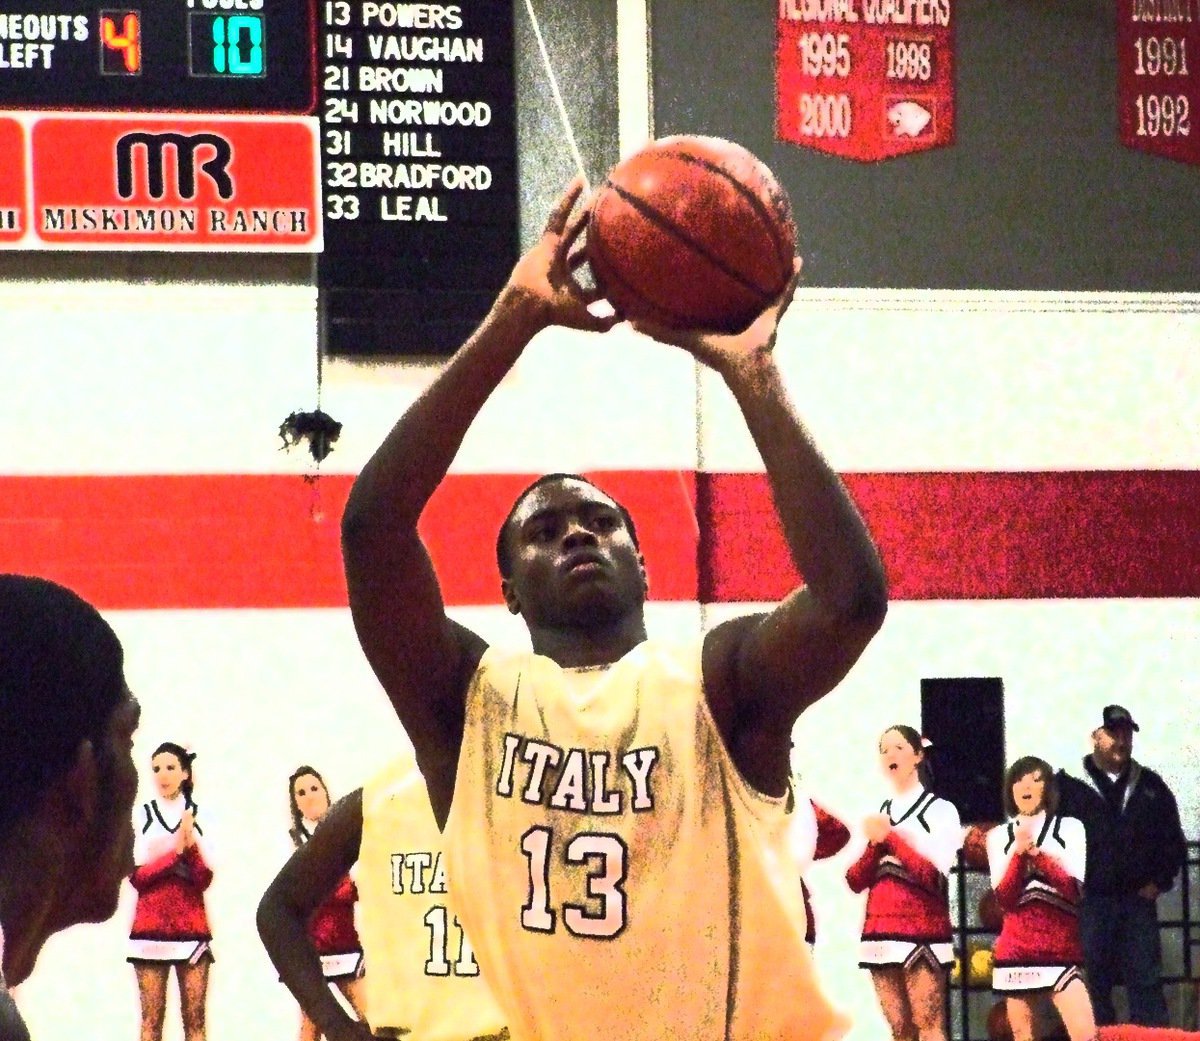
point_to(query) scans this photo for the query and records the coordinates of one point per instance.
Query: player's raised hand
(546, 273)
(726, 351)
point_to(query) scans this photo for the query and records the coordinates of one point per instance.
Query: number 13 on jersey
(605, 856)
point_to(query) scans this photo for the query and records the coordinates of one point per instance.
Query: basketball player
(422, 982)
(615, 808)
(67, 779)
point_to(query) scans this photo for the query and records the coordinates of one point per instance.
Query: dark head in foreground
(67, 778)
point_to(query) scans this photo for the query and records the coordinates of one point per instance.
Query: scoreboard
(159, 55)
(380, 136)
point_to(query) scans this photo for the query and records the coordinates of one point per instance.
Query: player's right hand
(545, 275)
(727, 352)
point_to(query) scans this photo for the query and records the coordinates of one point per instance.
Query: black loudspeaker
(964, 718)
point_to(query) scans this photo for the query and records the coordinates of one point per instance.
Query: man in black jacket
(1135, 848)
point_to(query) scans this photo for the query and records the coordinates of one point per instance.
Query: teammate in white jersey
(619, 793)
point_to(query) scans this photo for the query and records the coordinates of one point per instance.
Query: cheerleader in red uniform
(170, 925)
(816, 834)
(906, 938)
(1036, 862)
(331, 927)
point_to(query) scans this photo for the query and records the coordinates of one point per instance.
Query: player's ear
(511, 600)
(645, 577)
(75, 794)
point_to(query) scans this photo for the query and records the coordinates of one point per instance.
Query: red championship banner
(175, 183)
(1158, 77)
(13, 220)
(865, 79)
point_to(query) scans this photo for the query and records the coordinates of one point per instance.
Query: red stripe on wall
(961, 536)
(271, 541)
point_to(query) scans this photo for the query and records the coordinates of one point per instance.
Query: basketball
(691, 233)
(979, 969)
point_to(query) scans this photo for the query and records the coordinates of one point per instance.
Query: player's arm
(12, 1027)
(423, 659)
(762, 671)
(310, 875)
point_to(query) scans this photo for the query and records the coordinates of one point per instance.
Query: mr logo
(186, 146)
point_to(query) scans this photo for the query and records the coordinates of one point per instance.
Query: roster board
(418, 116)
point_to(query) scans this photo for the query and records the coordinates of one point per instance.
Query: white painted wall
(882, 385)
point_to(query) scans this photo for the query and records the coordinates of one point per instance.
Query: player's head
(1029, 787)
(67, 777)
(308, 797)
(171, 766)
(568, 555)
(902, 756)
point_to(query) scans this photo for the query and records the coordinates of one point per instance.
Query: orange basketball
(691, 233)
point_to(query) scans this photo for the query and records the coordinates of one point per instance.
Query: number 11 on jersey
(437, 921)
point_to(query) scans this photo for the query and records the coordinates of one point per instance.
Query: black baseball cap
(1116, 716)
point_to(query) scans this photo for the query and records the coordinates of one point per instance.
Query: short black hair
(1031, 764)
(62, 674)
(504, 554)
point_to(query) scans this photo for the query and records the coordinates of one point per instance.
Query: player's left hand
(1149, 891)
(726, 352)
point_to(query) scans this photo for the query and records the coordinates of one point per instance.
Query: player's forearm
(398, 480)
(284, 934)
(12, 1027)
(828, 541)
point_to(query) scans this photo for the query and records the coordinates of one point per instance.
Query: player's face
(109, 846)
(168, 774)
(574, 563)
(311, 798)
(1113, 748)
(1029, 793)
(898, 758)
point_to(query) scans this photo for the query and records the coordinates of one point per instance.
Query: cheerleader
(815, 834)
(1036, 861)
(331, 927)
(911, 846)
(170, 925)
